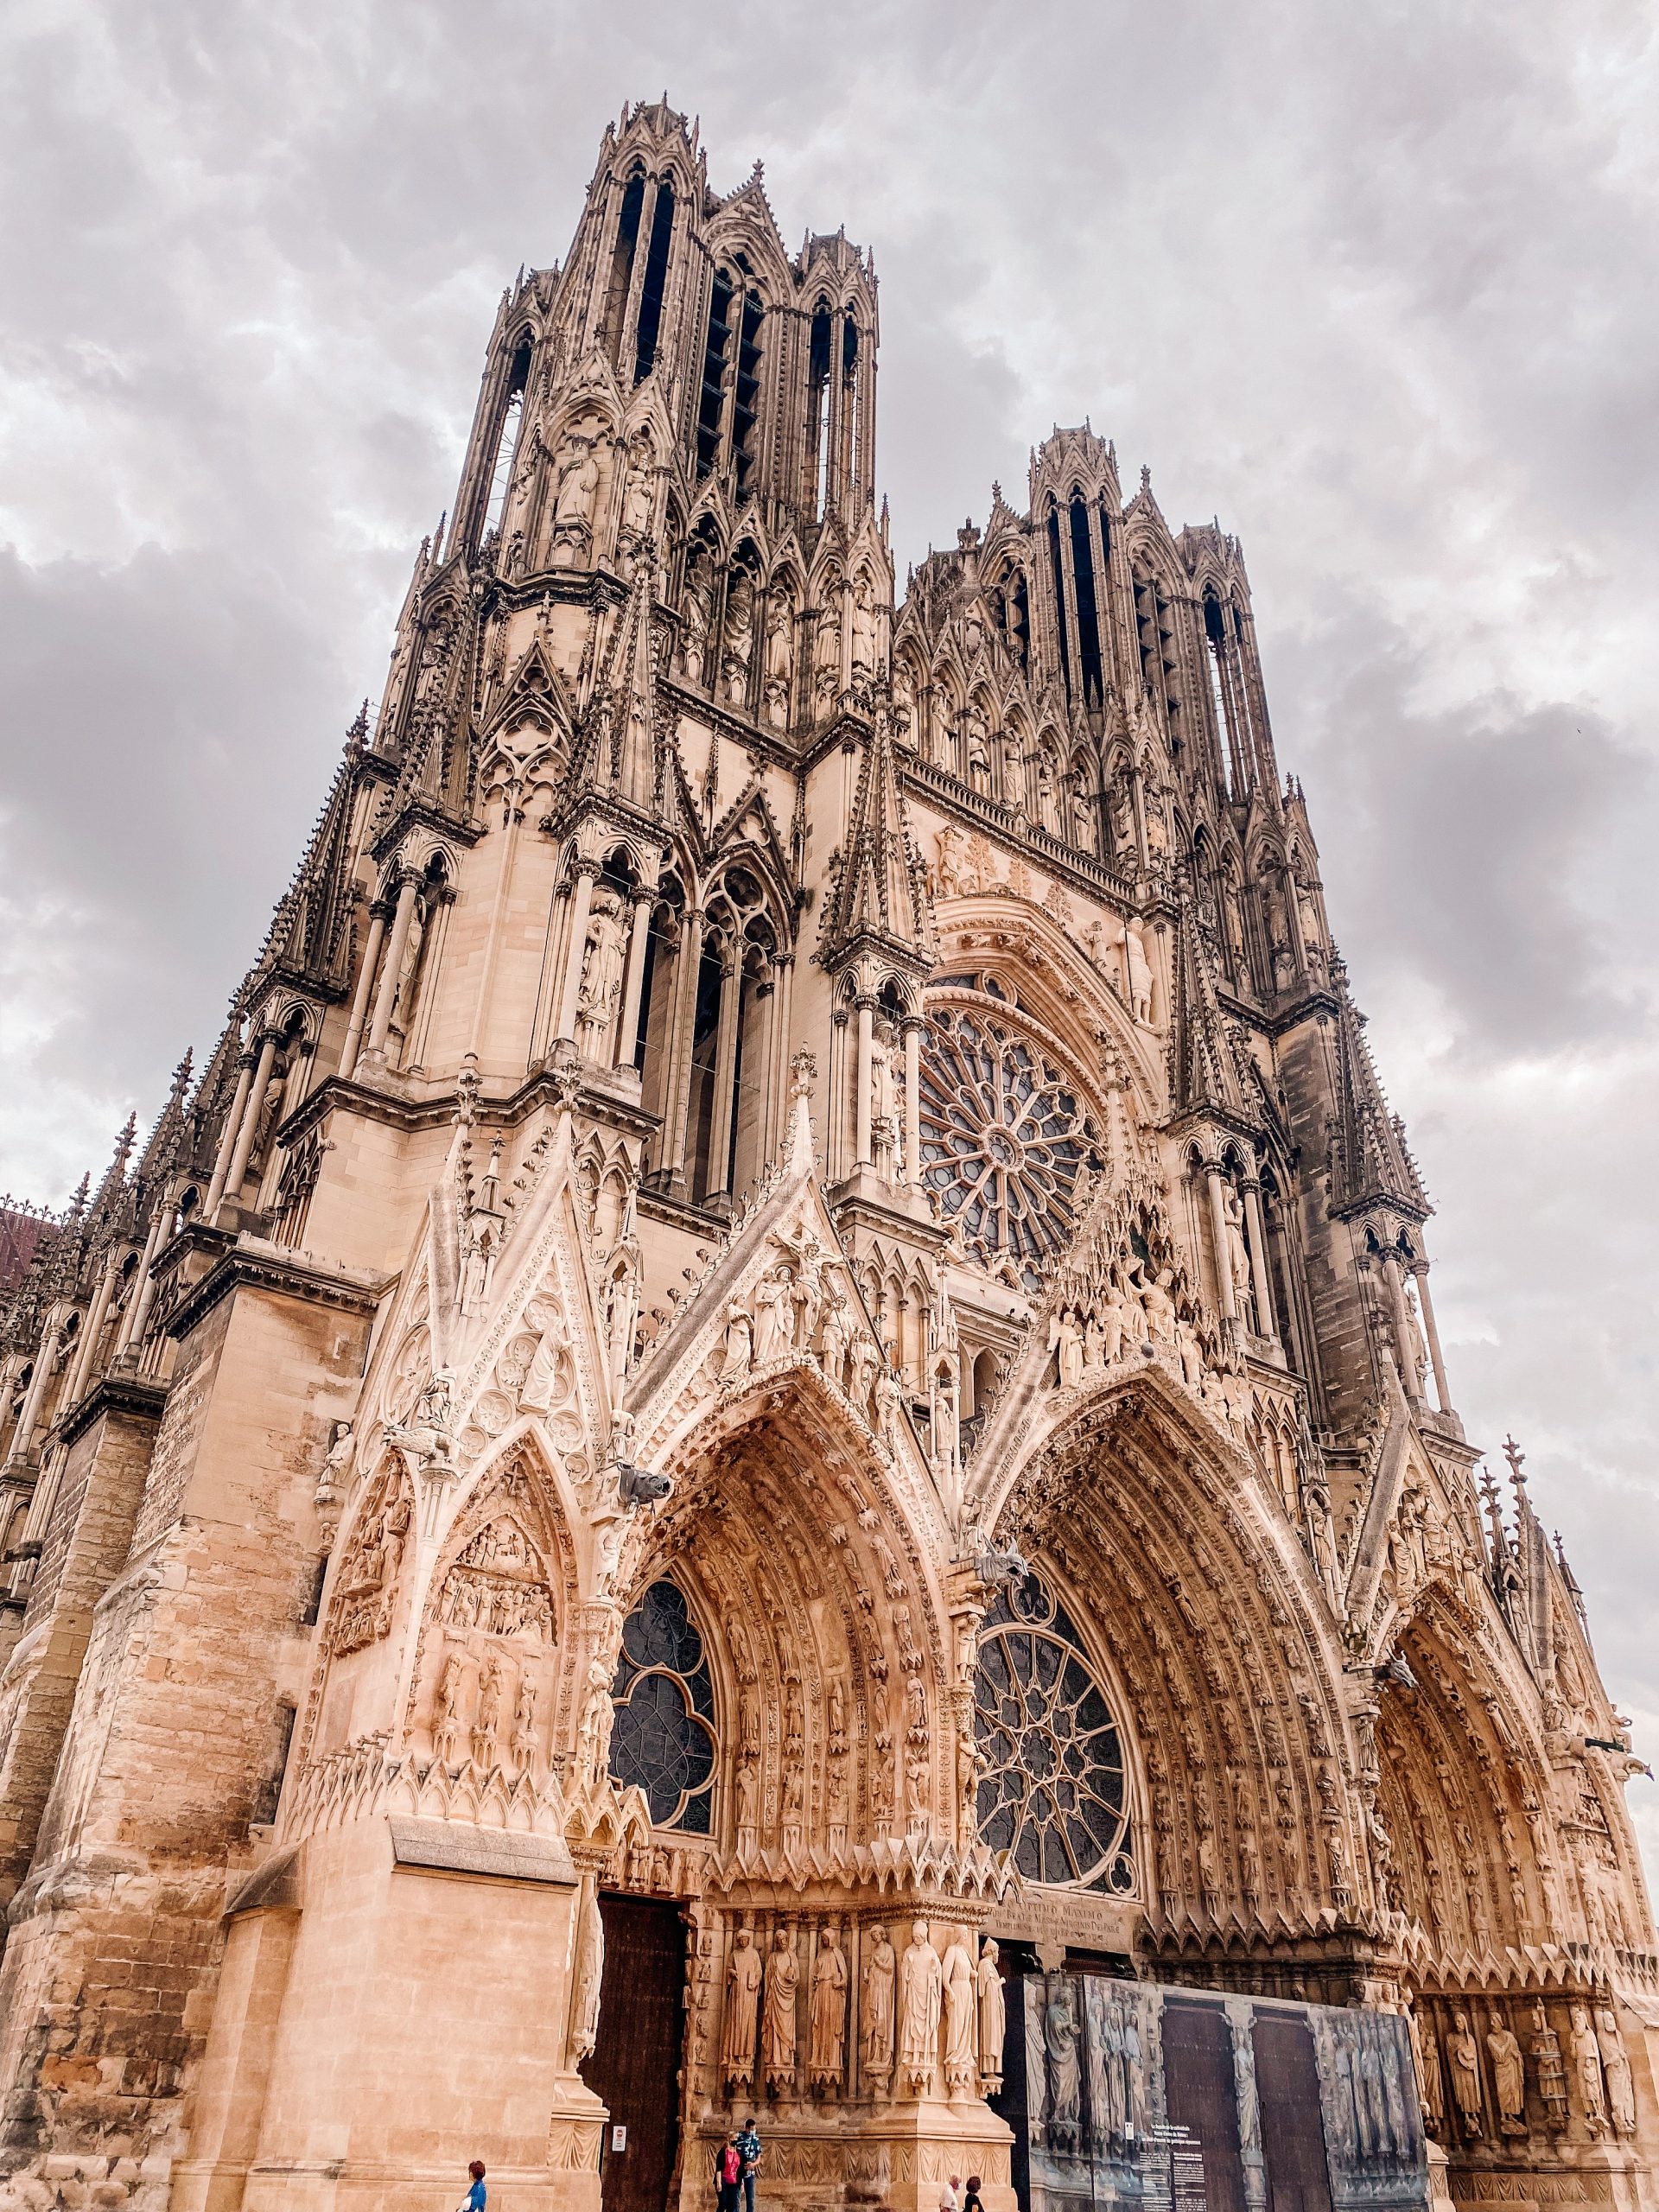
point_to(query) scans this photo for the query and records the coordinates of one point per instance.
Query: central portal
(636, 2063)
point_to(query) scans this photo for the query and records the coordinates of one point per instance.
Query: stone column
(93, 1331)
(861, 1154)
(1443, 1397)
(359, 1013)
(386, 997)
(633, 984)
(575, 948)
(676, 1091)
(1265, 1325)
(243, 1144)
(913, 1099)
(138, 1298)
(51, 1337)
(1218, 1240)
(226, 1141)
(776, 1103)
(1394, 1275)
(719, 1127)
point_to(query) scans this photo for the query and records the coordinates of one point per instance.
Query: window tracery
(1054, 1792)
(662, 1740)
(1004, 1136)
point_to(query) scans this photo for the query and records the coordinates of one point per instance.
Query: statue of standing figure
(825, 2061)
(921, 1987)
(778, 2020)
(961, 2027)
(876, 2013)
(993, 2018)
(599, 989)
(742, 2012)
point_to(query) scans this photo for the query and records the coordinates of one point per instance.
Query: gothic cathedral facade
(789, 1325)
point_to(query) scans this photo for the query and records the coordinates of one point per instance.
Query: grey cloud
(1377, 286)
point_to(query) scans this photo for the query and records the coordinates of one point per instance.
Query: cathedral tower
(788, 1335)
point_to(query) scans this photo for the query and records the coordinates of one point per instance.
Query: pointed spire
(881, 888)
(1370, 1157)
(1204, 1063)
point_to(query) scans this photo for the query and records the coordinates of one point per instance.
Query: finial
(1517, 1460)
(358, 735)
(1145, 477)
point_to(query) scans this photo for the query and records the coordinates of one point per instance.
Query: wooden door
(1293, 2124)
(635, 2065)
(1201, 2097)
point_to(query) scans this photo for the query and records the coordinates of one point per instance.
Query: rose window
(663, 1738)
(1053, 1792)
(1003, 1136)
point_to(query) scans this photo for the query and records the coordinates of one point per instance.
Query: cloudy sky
(1378, 286)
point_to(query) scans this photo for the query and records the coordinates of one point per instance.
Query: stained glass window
(1003, 1136)
(664, 1737)
(1054, 1792)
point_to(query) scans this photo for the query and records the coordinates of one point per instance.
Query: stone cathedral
(768, 1436)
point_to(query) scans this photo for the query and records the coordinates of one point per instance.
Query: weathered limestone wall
(106, 1985)
(376, 2017)
(86, 1542)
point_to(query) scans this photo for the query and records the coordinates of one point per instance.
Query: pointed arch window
(817, 410)
(1083, 572)
(746, 392)
(622, 277)
(711, 401)
(651, 292)
(506, 439)
(1054, 1794)
(663, 1738)
(1057, 567)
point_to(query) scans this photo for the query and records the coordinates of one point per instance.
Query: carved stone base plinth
(893, 2157)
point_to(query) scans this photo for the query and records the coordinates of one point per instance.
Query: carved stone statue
(1550, 2071)
(774, 1317)
(826, 655)
(640, 494)
(1137, 971)
(876, 2011)
(1586, 2064)
(1616, 2069)
(742, 2012)
(1064, 2079)
(604, 957)
(780, 658)
(826, 2059)
(445, 1708)
(589, 1975)
(737, 1355)
(1465, 2059)
(863, 628)
(993, 2017)
(740, 639)
(961, 2026)
(777, 2021)
(921, 1987)
(696, 608)
(1426, 2062)
(1508, 2075)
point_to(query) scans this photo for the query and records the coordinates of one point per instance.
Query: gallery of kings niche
(767, 1436)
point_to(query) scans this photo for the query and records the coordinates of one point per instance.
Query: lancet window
(651, 292)
(662, 1740)
(1055, 1790)
(622, 277)
(506, 440)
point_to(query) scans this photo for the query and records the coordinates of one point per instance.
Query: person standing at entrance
(728, 2167)
(748, 2149)
(473, 2200)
